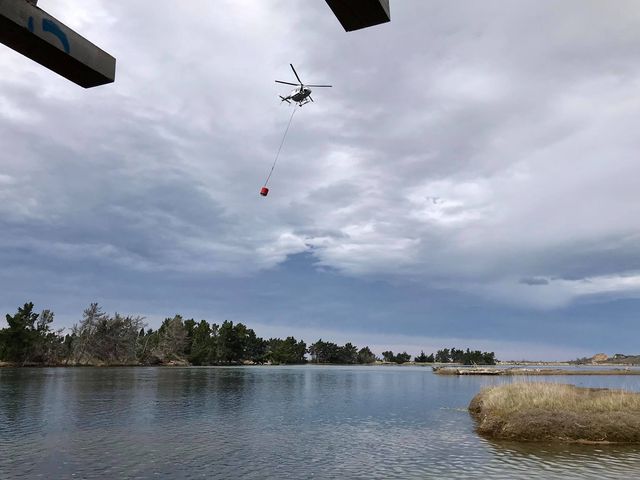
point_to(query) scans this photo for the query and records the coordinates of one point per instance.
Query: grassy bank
(555, 412)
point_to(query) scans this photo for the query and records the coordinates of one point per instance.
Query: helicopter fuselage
(300, 94)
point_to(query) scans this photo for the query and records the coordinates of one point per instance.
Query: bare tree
(104, 339)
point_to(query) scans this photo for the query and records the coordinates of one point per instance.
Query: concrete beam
(39, 36)
(357, 14)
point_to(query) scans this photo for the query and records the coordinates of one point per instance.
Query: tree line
(103, 339)
(454, 355)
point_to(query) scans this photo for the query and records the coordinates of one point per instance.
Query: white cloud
(552, 293)
(277, 252)
(6, 179)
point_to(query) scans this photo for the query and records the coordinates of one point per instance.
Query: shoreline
(438, 369)
(515, 371)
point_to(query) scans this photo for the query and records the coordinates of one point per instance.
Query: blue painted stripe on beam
(54, 29)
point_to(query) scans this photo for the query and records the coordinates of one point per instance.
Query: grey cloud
(516, 116)
(534, 281)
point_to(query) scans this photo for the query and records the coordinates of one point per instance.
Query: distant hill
(604, 359)
(626, 359)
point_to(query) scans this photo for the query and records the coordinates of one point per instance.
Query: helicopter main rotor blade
(318, 85)
(296, 73)
(287, 83)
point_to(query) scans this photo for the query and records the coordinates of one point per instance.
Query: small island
(525, 411)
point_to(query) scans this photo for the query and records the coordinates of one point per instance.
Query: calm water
(271, 422)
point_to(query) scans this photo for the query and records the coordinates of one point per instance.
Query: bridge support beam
(37, 35)
(357, 14)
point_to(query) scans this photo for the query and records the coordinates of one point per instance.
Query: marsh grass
(550, 411)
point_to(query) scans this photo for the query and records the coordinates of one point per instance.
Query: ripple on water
(268, 422)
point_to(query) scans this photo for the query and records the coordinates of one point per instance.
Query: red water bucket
(264, 191)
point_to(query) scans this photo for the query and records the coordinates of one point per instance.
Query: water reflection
(270, 422)
(569, 460)
(23, 400)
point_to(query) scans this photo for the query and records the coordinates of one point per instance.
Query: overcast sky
(471, 180)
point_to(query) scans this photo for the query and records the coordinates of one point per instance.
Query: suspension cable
(280, 148)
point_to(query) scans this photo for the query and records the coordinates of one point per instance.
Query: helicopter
(302, 94)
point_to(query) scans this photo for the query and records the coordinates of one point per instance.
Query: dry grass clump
(551, 411)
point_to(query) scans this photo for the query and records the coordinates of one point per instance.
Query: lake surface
(272, 422)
